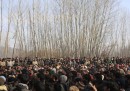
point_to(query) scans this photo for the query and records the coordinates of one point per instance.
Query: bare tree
(74, 28)
(1, 20)
(8, 30)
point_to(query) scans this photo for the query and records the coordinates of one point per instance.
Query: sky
(125, 4)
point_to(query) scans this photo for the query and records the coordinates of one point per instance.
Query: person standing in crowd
(23, 80)
(3, 62)
(66, 75)
(73, 88)
(3, 87)
(10, 63)
(62, 84)
(35, 62)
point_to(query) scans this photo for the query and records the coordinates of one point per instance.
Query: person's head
(38, 86)
(21, 87)
(63, 78)
(73, 88)
(23, 78)
(2, 80)
(2, 60)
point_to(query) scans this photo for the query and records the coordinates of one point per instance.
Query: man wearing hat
(2, 83)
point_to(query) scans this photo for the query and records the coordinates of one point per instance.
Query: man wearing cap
(2, 83)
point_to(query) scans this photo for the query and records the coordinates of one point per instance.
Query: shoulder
(3, 87)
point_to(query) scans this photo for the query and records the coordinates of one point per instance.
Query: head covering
(72, 68)
(128, 72)
(102, 77)
(54, 70)
(11, 79)
(79, 75)
(63, 78)
(80, 85)
(2, 80)
(25, 71)
(73, 88)
(23, 86)
(122, 71)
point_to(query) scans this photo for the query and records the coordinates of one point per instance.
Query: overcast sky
(125, 4)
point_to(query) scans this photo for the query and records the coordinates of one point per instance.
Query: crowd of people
(65, 74)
